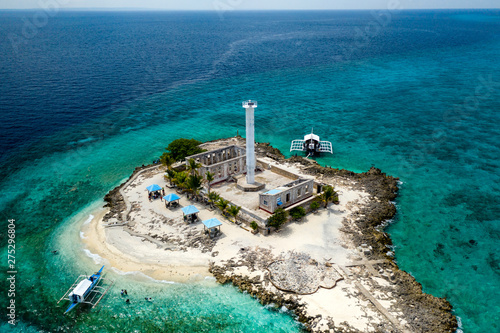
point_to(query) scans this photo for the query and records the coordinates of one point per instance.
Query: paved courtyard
(250, 200)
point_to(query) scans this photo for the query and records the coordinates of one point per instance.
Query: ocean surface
(85, 97)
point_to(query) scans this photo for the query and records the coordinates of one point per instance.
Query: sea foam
(97, 258)
(89, 219)
(119, 272)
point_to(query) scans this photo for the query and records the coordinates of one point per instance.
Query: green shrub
(328, 195)
(279, 217)
(181, 148)
(297, 213)
(254, 225)
(314, 206)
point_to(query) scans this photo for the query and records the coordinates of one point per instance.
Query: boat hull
(71, 307)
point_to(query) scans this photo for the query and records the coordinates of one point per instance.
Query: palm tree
(170, 175)
(193, 166)
(168, 160)
(327, 195)
(210, 178)
(213, 197)
(194, 184)
(233, 211)
(222, 204)
(180, 179)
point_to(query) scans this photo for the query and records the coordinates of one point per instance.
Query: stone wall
(222, 163)
(218, 155)
(284, 173)
(252, 217)
(226, 169)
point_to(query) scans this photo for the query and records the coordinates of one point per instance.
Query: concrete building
(223, 162)
(286, 195)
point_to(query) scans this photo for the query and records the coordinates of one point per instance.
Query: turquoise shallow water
(426, 116)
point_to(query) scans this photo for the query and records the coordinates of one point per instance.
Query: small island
(322, 253)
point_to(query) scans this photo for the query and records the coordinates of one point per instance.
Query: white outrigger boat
(86, 290)
(312, 145)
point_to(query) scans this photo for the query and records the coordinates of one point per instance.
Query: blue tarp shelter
(190, 210)
(153, 188)
(212, 225)
(190, 213)
(171, 197)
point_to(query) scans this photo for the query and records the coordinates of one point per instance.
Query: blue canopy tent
(153, 188)
(154, 191)
(190, 210)
(171, 198)
(190, 213)
(211, 226)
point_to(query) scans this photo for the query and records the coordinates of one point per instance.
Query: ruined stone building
(222, 163)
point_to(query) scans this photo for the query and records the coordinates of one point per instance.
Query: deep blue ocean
(85, 97)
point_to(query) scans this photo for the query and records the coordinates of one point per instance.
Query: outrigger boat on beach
(312, 145)
(85, 290)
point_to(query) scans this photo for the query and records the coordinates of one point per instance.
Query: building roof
(190, 210)
(212, 223)
(275, 191)
(171, 197)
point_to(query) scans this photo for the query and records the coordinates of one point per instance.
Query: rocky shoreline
(425, 312)
(418, 312)
(114, 199)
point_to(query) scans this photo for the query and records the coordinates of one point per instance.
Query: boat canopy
(81, 288)
(311, 137)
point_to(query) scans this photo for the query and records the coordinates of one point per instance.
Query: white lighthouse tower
(248, 183)
(250, 134)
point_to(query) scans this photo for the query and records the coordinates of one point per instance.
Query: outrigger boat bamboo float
(312, 145)
(85, 290)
